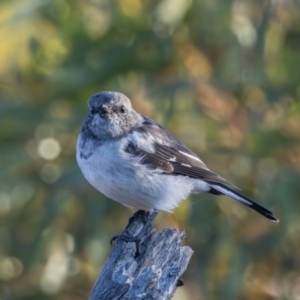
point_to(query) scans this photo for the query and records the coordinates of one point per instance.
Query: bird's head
(111, 116)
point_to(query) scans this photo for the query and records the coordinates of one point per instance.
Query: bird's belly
(135, 185)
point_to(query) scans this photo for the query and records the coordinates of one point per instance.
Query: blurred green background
(222, 76)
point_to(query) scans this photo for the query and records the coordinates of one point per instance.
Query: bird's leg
(130, 238)
(149, 220)
(142, 213)
(139, 213)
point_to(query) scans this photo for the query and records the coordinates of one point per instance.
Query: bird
(133, 160)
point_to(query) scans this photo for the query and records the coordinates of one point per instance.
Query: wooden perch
(153, 273)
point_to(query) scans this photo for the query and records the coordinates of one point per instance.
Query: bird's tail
(222, 189)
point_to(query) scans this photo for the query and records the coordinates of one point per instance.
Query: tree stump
(153, 273)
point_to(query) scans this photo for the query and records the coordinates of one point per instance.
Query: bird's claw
(129, 239)
(147, 219)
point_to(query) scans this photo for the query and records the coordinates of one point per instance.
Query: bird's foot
(136, 239)
(124, 236)
(127, 237)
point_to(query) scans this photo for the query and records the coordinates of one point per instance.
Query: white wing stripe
(190, 156)
(186, 165)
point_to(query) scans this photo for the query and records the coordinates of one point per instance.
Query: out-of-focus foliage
(222, 76)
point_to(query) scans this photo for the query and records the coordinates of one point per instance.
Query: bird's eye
(103, 113)
(122, 109)
(93, 111)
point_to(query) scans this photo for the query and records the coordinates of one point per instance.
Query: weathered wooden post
(153, 273)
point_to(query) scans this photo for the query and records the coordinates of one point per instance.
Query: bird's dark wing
(156, 148)
(168, 155)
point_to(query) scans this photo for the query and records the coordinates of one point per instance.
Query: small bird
(136, 162)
